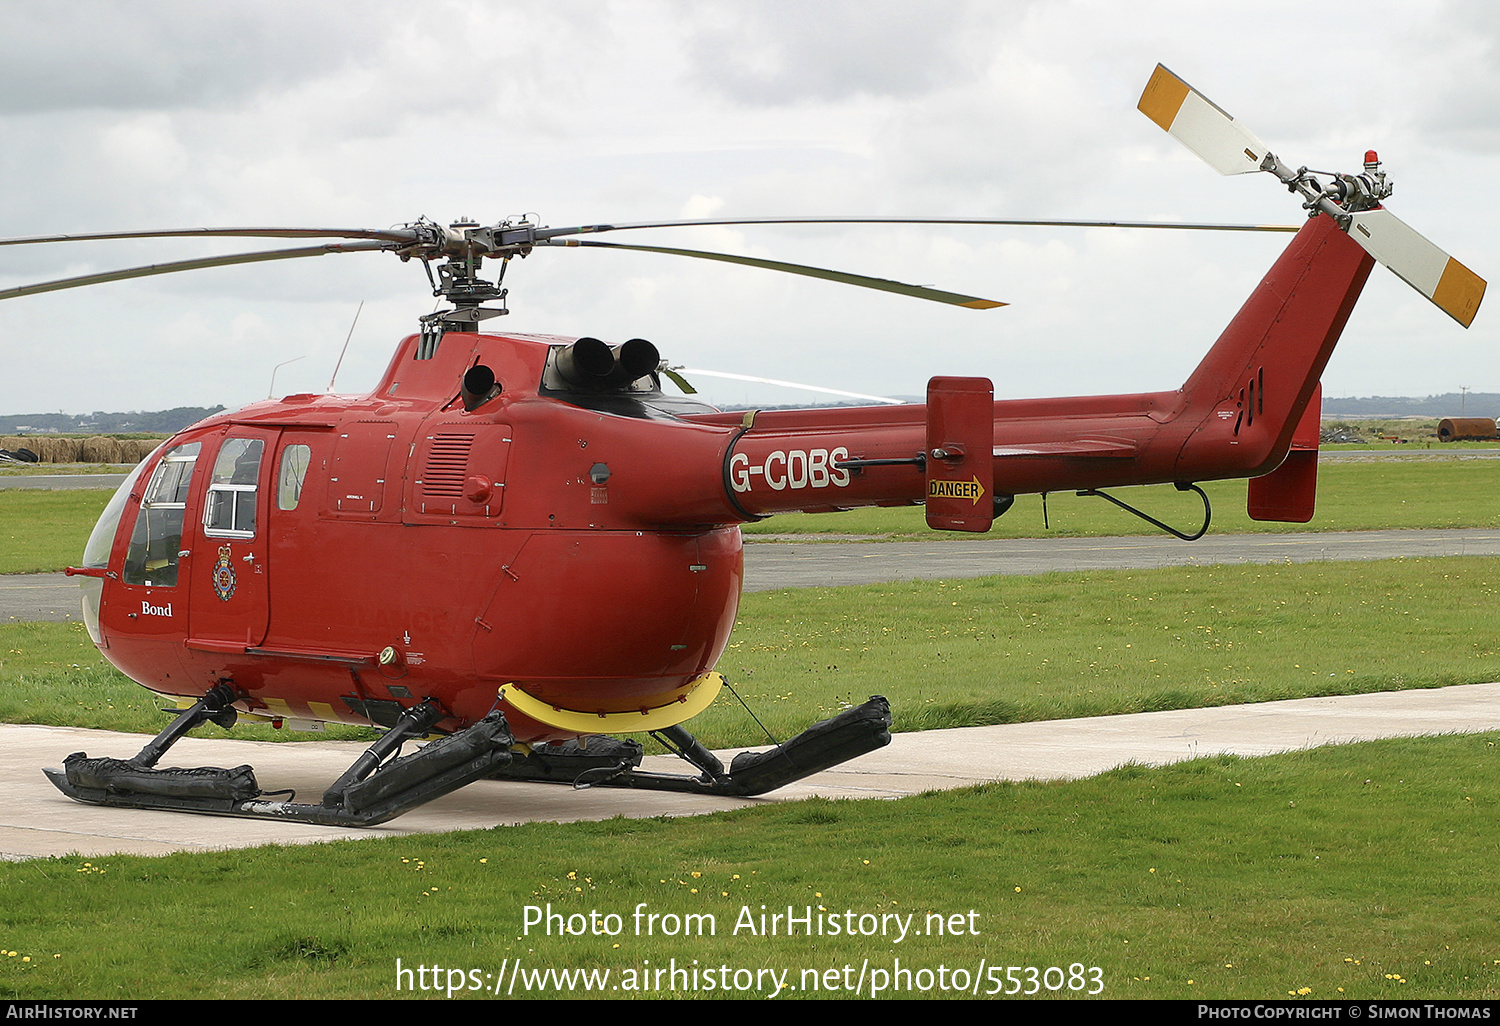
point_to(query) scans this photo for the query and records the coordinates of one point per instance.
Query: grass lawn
(1376, 495)
(990, 650)
(1366, 871)
(45, 530)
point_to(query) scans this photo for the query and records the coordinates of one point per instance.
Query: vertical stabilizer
(1251, 390)
(1289, 493)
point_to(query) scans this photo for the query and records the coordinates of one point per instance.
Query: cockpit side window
(230, 509)
(157, 537)
(294, 462)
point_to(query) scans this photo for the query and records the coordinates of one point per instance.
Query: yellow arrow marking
(971, 490)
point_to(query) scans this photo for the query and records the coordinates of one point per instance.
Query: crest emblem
(224, 579)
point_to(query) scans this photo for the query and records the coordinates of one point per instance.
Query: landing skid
(377, 787)
(848, 735)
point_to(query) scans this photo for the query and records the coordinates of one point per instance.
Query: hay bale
(15, 444)
(55, 450)
(99, 449)
(133, 450)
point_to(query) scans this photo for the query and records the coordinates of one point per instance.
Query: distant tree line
(1450, 404)
(169, 422)
(160, 422)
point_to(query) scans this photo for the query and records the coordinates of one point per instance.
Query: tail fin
(1289, 493)
(1251, 391)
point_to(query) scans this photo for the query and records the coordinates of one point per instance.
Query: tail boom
(1234, 417)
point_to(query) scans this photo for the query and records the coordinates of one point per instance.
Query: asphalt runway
(770, 565)
(71, 482)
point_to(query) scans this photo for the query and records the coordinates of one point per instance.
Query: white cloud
(158, 114)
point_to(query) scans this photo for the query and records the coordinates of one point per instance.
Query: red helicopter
(521, 545)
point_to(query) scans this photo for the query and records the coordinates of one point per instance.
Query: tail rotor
(1352, 200)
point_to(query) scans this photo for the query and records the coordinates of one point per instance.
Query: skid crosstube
(615, 763)
(363, 796)
(377, 788)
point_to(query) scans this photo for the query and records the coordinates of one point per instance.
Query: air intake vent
(447, 465)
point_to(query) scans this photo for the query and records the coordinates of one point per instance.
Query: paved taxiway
(771, 565)
(35, 820)
(66, 482)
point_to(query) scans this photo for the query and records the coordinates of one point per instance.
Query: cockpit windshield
(102, 538)
(154, 544)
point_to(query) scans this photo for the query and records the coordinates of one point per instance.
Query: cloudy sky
(118, 116)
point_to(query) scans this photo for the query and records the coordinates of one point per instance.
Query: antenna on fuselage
(347, 337)
(271, 392)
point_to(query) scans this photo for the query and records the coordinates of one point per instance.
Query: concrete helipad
(36, 820)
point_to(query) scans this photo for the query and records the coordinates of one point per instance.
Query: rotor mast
(462, 246)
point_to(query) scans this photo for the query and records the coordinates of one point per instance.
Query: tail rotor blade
(1352, 200)
(1200, 125)
(1455, 289)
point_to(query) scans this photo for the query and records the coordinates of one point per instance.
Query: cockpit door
(229, 568)
(139, 585)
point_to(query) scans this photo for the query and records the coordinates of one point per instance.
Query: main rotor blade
(388, 235)
(588, 229)
(1451, 286)
(1200, 124)
(880, 284)
(678, 380)
(190, 265)
(789, 384)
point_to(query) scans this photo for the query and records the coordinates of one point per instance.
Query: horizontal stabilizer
(959, 467)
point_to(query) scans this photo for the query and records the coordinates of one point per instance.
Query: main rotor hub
(464, 244)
